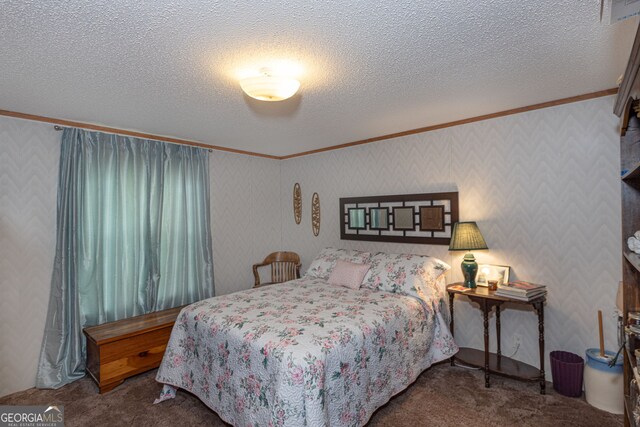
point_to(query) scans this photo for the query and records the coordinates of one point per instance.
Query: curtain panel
(133, 236)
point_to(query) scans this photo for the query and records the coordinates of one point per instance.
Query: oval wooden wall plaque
(297, 203)
(315, 214)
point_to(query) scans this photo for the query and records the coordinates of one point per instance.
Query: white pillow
(324, 263)
(348, 274)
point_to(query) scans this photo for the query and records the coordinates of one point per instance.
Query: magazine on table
(522, 297)
(459, 288)
(522, 288)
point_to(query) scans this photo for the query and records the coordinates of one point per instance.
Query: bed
(308, 352)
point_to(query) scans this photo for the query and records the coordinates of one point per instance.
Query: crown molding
(106, 129)
(518, 110)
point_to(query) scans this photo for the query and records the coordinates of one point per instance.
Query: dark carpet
(441, 396)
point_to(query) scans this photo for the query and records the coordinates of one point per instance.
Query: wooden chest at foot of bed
(121, 349)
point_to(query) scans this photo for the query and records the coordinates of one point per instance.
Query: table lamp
(466, 236)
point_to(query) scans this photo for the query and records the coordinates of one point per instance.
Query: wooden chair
(285, 266)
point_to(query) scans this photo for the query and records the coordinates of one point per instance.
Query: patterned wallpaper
(245, 199)
(544, 188)
(29, 154)
(542, 185)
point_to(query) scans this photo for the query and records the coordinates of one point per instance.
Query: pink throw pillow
(348, 274)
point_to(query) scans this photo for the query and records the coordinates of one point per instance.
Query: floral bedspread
(302, 353)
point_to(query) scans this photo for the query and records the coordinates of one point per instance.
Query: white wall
(29, 154)
(245, 202)
(543, 186)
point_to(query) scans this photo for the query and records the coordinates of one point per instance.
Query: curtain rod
(59, 128)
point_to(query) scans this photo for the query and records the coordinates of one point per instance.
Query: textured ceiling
(367, 68)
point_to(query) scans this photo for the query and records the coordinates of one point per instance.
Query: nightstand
(496, 363)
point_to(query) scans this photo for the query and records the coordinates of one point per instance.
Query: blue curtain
(133, 236)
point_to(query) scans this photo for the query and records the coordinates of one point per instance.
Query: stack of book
(523, 291)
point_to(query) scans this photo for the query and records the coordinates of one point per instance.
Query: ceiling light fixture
(268, 87)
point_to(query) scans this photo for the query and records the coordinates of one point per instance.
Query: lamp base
(469, 270)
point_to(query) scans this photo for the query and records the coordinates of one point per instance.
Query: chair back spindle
(285, 266)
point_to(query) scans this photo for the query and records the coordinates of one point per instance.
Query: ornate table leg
(451, 297)
(485, 309)
(498, 330)
(539, 307)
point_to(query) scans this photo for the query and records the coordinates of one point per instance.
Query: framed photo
(486, 272)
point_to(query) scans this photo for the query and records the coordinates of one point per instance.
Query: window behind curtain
(133, 236)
